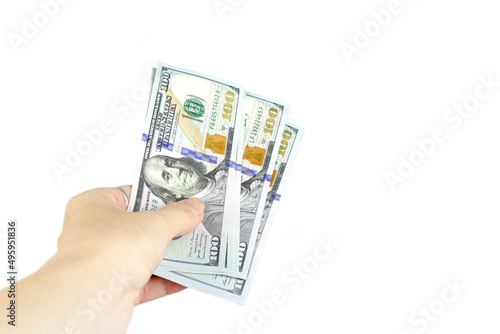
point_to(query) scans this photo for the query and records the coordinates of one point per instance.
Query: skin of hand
(103, 267)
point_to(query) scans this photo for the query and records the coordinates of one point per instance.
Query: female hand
(103, 267)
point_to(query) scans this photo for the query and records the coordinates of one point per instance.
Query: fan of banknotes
(208, 138)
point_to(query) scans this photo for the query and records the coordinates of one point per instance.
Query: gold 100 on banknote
(208, 138)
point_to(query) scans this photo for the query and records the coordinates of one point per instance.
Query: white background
(397, 248)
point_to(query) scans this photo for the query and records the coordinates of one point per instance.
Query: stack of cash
(207, 138)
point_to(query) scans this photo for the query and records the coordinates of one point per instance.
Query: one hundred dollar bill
(264, 122)
(236, 289)
(189, 149)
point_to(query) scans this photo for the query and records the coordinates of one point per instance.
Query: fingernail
(197, 204)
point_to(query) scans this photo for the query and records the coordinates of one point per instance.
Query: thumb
(180, 218)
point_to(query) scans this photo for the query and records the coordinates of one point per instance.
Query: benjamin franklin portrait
(175, 179)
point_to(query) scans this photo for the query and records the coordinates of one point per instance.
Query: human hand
(104, 264)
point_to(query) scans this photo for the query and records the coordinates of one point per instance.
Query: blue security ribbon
(248, 171)
(198, 155)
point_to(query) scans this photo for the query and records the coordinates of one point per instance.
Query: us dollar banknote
(189, 149)
(236, 289)
(264, 122)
